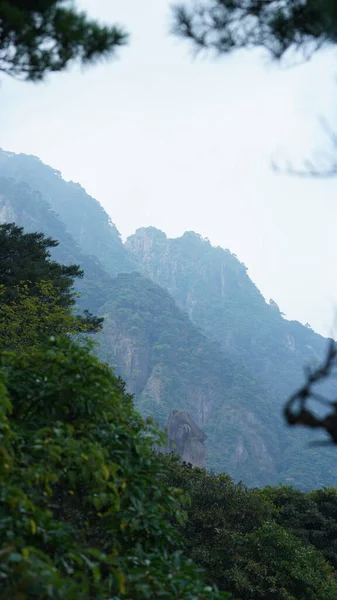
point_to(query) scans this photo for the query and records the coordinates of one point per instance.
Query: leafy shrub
(84, 511)
(231, 531)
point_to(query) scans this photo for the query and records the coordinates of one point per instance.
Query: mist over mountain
(213, 287)
(84, 218)
(26, 207)
(184, 326)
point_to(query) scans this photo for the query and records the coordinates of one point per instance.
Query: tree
(298, 28)
(25, 259)
(37, 38)
(232, 533)
(274, 565)
(276, 25)
(84, 510)
(311, 517)
(25, 322)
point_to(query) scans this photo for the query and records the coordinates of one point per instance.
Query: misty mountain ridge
(213, 287)
(184, 326)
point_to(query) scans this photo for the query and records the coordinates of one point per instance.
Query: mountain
(212, 286)
(28, 209)
(170, 365)
(191, 333)
(85, 219)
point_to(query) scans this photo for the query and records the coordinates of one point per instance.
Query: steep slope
(212, 286)
(166, 362)
(169, 365)
(84, 218)
(28, 209)
(185, 438)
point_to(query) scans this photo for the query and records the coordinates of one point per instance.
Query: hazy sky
(162, 139)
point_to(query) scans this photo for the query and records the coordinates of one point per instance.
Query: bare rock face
(186, 438)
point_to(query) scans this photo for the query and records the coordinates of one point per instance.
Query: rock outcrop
(186, 438)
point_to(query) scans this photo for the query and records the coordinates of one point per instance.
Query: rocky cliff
(213, 287)
(186, 438)
(169, 365)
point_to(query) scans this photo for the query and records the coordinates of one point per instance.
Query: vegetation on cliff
(169, 364)
(213, 287)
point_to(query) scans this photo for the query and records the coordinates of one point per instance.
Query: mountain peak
(149, 232)
(84, 217)
(194, 236)
(145, 239)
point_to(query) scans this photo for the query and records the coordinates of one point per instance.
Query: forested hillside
(191, 333)
(169, 365)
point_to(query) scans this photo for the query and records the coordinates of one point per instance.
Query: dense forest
(101, 342)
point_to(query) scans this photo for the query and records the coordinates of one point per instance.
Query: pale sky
(163, 139)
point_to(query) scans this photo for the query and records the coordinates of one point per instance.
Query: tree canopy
(84, 509)
(45, 36)
(276, 25)
(26, 257)
(25, 322)
(36, 293)
(267, 544)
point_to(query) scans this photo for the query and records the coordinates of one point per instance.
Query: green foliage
(276, 25)
(30, 281)
(233, 533)
(26, 257)
(311, 517)
(84, 511)
(274, 565)
(26, 321)
(41, 37)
